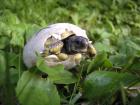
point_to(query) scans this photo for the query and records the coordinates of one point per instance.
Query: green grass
(112, 25)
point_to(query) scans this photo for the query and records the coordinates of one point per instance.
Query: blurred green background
(112, 25)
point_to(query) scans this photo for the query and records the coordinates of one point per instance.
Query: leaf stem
(76, 86)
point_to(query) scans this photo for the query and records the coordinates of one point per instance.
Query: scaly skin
(55, 48)
(78, 57)
(62, 56)
(91, 50)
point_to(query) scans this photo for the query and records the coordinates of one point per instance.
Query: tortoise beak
(91, 50)
(83, 46)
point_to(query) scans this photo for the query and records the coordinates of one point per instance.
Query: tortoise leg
(50, 41)
(78, 57)
(55, 48)
(49, 46)
(62, 56)
(91, 50)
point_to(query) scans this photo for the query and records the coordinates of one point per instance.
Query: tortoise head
(75, 44)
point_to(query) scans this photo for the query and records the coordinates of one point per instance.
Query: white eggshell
(36, 43)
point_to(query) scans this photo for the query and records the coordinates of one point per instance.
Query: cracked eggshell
(36, 43)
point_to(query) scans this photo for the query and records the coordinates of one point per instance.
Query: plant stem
(75, 86)
(19, 63)
(8, 87)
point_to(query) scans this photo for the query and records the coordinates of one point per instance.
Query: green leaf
(57, 73)
(75, 18)
(105, 34)
(41, 64)
(13, 59)
(135, 101)
(9, 59)
(135, 66)
(4, 41)
(97, 62)
(17, 39)
(122, 60)
(101, 84)
(119, 59)
(2, 61)
(134, 45)
(2, 68)
(34, 90)
(102, 47)
(9, 18)
(108, 63)
(31, 29)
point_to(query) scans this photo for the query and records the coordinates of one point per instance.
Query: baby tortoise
(60, 43)
(70, 44)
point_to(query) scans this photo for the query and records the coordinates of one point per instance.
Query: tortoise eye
(78, 41)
